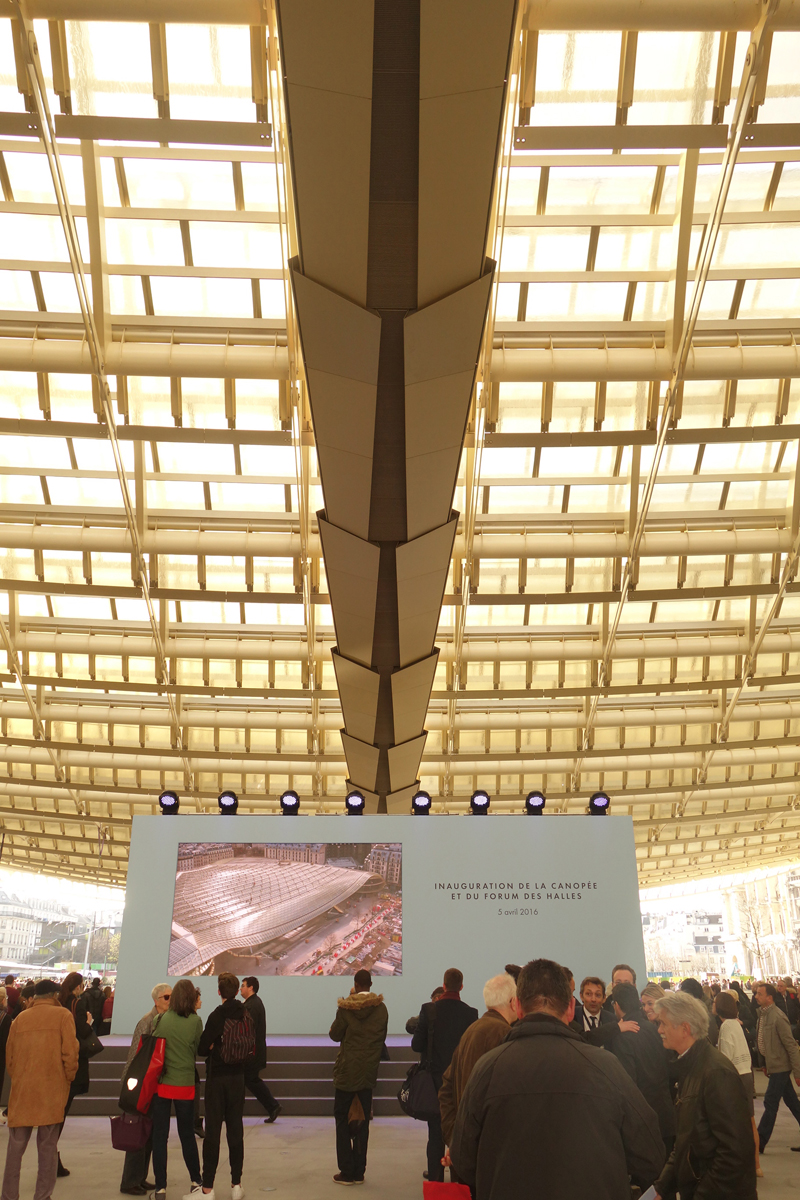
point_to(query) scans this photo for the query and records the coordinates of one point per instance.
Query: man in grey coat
(781, 1057)
(137, 1162)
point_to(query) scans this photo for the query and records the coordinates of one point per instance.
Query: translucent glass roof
(566, 663)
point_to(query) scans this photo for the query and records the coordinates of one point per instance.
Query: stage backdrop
(290, 900)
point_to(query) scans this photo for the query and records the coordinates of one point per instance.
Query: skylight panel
(781, 98)
(20, 489)
(205, 83)
(125, 296)
(83, 491)
(256, 408)
(637, 248)
(82, 608)
(239, 497)
(60, 292)
(576, 79)
(38, 238)
(202, 298)
(674, 81)
(159, 183)
(182, 497)
(599, 189)
(144, 243)
(32, 183)
(576, 301)
(110, 68)
(224, 244)
(16, 291)
(761, 245)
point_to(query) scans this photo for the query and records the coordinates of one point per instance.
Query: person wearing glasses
(137, 1162)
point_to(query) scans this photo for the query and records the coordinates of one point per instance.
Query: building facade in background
(752, 928)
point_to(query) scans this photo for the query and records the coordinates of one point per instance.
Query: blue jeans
(779, 1088)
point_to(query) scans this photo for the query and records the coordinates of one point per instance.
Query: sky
(81, 897)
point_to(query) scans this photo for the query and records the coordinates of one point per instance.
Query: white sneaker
(237, 1192)
(196, 1192)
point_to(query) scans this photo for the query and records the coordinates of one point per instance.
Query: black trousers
(351, 1149)
(224, 1102)
(160, 1112)
(435, 1150)
(256, 1086)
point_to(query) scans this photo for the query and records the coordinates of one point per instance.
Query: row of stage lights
(479, 804)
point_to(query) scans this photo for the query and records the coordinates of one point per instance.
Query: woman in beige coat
(41, 1058)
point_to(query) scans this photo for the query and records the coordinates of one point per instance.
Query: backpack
(238, 1042)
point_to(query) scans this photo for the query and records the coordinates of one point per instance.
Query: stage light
(290, 804)
(169, 803)
(354, 804)
(479, 803)
(228, 802)
(420, 804)
(598, 805)
(534, 804)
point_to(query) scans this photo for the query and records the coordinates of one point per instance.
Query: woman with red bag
(181, 1028)
(134, 1172)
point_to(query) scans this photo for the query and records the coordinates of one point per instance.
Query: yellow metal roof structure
(189, 209)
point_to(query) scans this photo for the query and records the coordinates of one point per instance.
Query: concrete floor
(294, 1160)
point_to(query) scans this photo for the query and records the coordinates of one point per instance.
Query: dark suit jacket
(604, 1018)
(450, 1019)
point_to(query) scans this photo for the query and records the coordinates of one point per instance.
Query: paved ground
(294, 1160)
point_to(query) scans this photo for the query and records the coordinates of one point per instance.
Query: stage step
(300, 1076)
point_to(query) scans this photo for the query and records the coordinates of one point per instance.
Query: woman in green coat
(180, 1027)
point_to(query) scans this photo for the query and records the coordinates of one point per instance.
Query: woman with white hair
(137, 1162)
(713, 1155)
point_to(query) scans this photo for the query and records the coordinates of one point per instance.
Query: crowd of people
(659, 1082)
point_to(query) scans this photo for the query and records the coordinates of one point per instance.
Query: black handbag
(91, 1045)
(418, 1096)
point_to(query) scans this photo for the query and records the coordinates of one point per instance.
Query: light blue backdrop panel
(478, 892)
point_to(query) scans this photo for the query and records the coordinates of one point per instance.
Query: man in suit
(446, 1018)
(589, 1011)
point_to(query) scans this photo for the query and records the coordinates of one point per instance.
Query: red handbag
(445, 1191)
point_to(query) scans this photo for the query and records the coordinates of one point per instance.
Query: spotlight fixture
(598, 804)
(354, 804)
(290, 804)
(420, 804)
(169, 803)
(228, 802)
(479, 803)
(534, 804)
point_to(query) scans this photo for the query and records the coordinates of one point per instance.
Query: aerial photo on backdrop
(287, 908)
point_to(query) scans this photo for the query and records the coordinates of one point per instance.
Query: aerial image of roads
(299, 908)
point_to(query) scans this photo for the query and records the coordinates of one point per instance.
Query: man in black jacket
(713, 1156)
(441, 1023)
(252, 1079)
(94, 1002)
(643, 1056)
(227, 1051)
(524, 1102)
(589, 1011)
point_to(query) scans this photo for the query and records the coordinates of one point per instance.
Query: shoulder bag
(141, 1078)
(418, 1096)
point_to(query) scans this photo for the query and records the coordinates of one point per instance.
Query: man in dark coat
(252, 1079)
(713, 1156)
(94, 1002)
(445, 1021)
(643, 1056)
(360, 1025)
(545, 1115)
(589, 1011)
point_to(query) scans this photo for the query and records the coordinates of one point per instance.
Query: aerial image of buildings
(289, 908)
